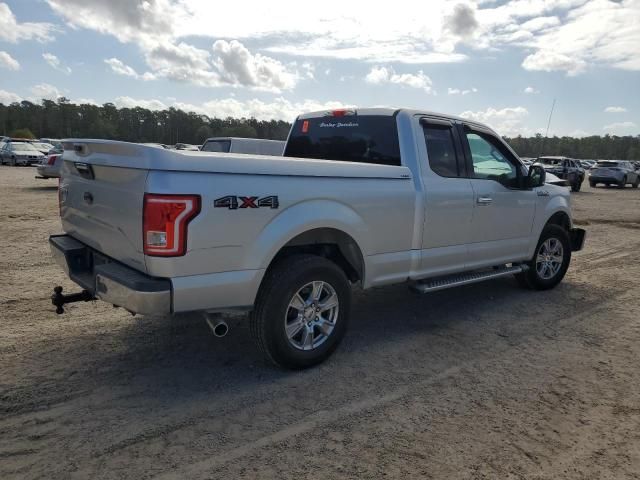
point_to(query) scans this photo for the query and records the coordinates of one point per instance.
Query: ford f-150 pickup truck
(370, 197)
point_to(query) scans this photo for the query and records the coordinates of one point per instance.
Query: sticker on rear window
(338, 125)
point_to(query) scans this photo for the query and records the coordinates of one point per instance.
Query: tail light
(52, 159)
(165, 221)
(342, 112)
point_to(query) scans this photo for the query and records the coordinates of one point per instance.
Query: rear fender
(301, 218)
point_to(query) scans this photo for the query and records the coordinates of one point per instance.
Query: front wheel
(622, 183)
(636, 183)
(301, 312)
(12, 161)
(550, 261)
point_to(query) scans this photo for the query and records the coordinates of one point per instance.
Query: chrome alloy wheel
(311, 315)
(549, 259)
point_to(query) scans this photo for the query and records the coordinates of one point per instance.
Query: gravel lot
(484, 381)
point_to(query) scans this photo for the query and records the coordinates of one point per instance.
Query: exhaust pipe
(218, 327)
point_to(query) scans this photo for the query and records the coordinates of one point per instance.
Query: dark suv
(565, 168)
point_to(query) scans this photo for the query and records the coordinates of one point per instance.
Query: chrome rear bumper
(111, 281)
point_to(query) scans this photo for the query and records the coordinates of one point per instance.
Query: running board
(440, 283)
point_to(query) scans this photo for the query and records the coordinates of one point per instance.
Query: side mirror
(536, 177)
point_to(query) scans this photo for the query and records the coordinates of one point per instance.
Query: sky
(499, 62)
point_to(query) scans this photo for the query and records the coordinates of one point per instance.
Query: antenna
(546, 134)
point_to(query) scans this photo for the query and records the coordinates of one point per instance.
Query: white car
(50, 166)
(371, 197)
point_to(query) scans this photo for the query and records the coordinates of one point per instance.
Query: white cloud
(117, 66)
(13, 31)
(8, 62)
(615, 110)
(128, 102)
(620, 127)
(531, 90)
(278, 109)
(383, 75)
(8, 98)
(54, 62)
(505, 121)
(45, 91)
(457, 91)
(562, 35)
(549, 60)
(462, 22)
(237, 66)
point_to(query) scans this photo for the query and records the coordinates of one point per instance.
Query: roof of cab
(387, 111)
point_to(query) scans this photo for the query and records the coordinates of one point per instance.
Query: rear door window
(350, 138)
(441, 151)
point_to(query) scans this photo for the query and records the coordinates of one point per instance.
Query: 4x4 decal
(233, 202)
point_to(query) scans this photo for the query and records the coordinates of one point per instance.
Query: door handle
(484, 200)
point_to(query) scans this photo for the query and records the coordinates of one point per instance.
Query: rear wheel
(301, 312)
(576, 186)
(550, 260)
(12, 161)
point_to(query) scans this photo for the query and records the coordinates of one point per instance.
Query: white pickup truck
(370, 197)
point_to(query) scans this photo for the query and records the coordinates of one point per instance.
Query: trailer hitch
(59, 300)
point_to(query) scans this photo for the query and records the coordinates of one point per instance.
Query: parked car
(587, 164)
(371, 197)
(257, 146)
(50, 166)
(612, 172)
(19, 153)
(187, 147)
(42, 147)
(564, 168)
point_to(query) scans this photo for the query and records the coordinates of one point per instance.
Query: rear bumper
(48, 171)
(604, 179)
(577, 236)
(111, 281)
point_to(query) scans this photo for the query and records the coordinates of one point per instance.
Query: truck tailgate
(101, 206)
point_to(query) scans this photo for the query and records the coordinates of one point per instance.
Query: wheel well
(330, 243)
(561, 219)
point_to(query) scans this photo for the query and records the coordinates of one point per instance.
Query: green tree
(22, 133)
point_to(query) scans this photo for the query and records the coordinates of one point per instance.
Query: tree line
(608, 147)
(63, 119)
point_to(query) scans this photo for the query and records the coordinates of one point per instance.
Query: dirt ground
(485, 381)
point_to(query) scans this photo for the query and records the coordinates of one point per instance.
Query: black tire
(636, 183)
(12, 161)
(623, 183)
(592, 184)
(576, 186)
(532, 278)
(281, 283)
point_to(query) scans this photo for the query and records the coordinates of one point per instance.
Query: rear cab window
(346, 137)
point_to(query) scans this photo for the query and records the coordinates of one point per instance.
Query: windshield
(23, 147)
(350, 138)
(217, 146)
(43, 146)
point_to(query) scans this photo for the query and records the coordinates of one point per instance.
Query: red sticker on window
(305, 126)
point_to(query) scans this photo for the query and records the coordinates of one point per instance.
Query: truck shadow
(178, 360)
(43, 188)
